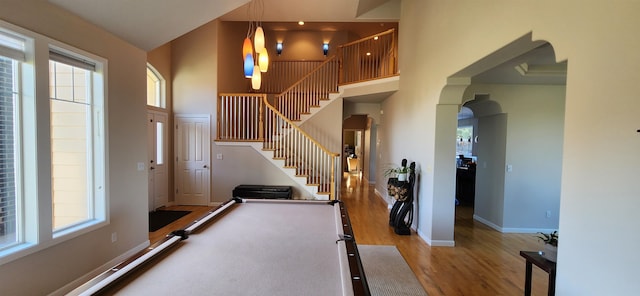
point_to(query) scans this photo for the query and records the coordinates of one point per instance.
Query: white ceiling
(148, 24)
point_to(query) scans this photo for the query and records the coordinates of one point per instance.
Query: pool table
(249, 247)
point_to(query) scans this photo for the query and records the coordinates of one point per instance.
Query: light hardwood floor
(483, 262)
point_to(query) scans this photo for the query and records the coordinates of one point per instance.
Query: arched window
(155, 88)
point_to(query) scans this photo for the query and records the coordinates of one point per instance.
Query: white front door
(157, 135)
(192, 148)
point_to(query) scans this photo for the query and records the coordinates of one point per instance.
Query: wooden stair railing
(250, 117)
(309, 90)
(372, 57)
(309, 158)
(239, 117)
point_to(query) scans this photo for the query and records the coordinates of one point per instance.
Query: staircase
(273, 128)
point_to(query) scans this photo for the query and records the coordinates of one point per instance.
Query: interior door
(192, 148)
(157, 135)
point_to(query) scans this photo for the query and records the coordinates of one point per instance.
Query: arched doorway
(514, 193)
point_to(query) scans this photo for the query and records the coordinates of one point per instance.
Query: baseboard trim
(84, 282)
(436, 243)
(511, 229)
(487, 222)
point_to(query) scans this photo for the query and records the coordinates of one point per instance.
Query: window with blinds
(34, 214)
(11, 56)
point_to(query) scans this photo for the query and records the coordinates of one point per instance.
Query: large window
(464, 141)
(7, 152)
(11, 57)
(52, 150)
(74, 116)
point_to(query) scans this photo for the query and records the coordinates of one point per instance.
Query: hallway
(483, 262)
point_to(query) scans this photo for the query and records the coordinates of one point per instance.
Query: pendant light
(258, 39)
(256, 57)
(256, 79)
(263, 60)
(248, 66)
(247, 48)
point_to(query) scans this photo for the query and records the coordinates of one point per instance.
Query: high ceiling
(148, 24)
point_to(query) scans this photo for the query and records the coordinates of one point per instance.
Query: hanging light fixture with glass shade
(256, 57)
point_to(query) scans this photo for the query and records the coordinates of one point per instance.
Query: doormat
(159, 219)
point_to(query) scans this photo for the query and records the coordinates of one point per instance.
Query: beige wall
(194, 64)
(598, 192)
(50, 269)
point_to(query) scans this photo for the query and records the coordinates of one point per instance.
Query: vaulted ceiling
(148, 24)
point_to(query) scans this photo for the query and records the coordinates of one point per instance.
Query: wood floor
(483, 262)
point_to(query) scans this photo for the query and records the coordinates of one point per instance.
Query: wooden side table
(544, 264)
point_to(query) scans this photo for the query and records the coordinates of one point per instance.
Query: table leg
(552, 283)
(527, 279)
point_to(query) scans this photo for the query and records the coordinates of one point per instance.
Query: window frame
(35, 191)
(161, 89)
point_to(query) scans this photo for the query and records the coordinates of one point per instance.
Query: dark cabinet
(466, 185)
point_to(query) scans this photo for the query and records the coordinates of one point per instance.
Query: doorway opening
(516, 147)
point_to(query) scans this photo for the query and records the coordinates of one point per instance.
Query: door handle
(152, 168)
(204, 166)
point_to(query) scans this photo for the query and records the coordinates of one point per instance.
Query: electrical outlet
(114, 237)
(140, 166)
(548, 214)
(219, 156)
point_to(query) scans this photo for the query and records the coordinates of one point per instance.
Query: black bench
(263, 192)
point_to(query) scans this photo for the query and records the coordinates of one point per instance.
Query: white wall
(325, 126)
(598, 196)
(533, 149)
(46, 271)
(244, 165)
(490, 172)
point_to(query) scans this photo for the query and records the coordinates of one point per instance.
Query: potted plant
(550, 245)
(401, 173)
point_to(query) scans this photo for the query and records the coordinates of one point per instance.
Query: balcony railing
(373, 57)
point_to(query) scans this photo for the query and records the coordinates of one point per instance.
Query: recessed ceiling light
(301, 23)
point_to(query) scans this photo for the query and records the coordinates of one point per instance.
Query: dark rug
(159, 219)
